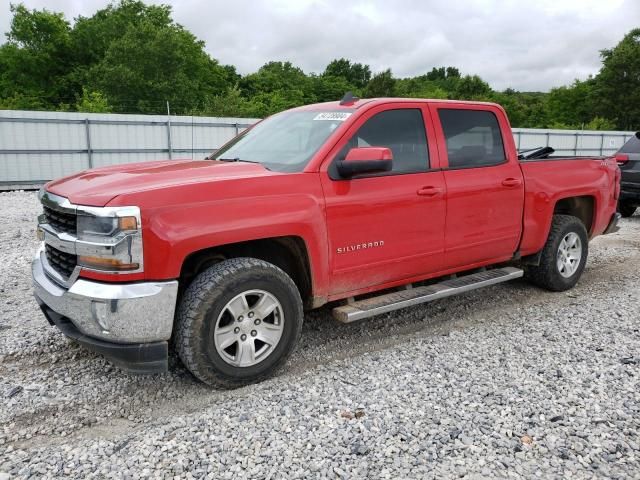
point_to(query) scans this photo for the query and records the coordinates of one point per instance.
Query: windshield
(284, 142)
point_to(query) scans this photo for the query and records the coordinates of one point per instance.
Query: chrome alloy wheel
(569, 254)
(249, 328)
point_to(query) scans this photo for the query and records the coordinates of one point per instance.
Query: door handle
(511, 182)
(429, 191)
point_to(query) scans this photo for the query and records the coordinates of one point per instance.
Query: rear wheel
(626, 210)
(238, 322)
(563, 257)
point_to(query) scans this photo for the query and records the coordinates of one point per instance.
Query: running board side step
(389, 302)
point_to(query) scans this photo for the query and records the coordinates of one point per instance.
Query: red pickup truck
(413, 199)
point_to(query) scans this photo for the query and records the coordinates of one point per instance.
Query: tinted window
(473, 138)
(632, 146)
(400, 130)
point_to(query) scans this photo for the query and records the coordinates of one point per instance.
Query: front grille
(60, 221)
(62, 262)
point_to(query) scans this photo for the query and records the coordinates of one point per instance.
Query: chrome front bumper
(121, 313)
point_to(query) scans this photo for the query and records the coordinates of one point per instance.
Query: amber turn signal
(100, 263)
(127, 223)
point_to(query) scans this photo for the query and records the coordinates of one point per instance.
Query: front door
(388, 227)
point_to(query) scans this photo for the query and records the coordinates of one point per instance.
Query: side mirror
(638, 135)
(366, 160)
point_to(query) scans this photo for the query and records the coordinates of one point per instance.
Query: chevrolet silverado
(373, 205)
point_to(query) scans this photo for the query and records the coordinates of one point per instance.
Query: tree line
(134, 58)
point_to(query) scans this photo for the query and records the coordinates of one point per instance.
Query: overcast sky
(528, 45)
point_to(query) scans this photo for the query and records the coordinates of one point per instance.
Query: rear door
(485, 187)
(387, 227)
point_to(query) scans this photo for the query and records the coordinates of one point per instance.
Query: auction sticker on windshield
(335, 116)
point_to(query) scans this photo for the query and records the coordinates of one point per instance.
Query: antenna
(348, 99)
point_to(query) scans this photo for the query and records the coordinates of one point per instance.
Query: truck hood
(98, 186)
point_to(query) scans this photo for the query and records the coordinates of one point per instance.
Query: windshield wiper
(236, 159)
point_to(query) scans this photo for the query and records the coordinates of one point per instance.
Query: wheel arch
(289, 253)
(582, 207)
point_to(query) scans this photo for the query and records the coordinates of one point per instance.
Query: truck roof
(382, 100)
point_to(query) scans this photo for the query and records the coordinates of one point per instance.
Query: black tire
(205, 299)
(626, 210)
(547, 274)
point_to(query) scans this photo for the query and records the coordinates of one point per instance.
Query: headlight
(109, 239)
(91, 227)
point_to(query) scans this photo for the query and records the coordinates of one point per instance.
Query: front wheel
(563, 257)
(238, 322)
(626, 210)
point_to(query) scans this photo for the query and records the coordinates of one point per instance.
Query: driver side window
(402, 131)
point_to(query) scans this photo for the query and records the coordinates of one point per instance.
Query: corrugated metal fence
(39, 146)
(571, 142)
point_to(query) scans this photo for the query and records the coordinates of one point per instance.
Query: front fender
(173, 232)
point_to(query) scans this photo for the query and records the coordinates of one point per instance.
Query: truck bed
(549, 180)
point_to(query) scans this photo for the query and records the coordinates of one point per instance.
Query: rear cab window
(473, 138)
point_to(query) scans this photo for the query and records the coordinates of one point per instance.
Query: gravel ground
(509, 381)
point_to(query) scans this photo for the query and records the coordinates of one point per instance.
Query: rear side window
(473, 138)
(632, 146)
(400, 130)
